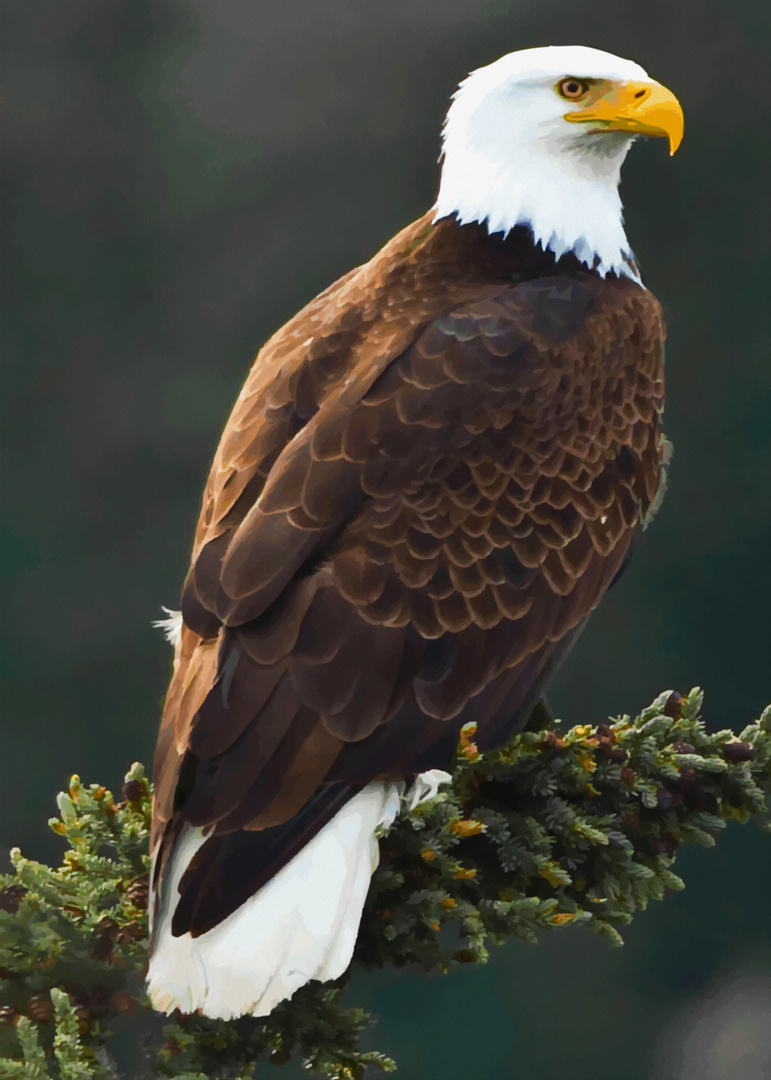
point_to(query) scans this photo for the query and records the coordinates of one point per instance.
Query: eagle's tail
(301, 925)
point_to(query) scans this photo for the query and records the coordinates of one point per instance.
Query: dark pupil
(572, 87)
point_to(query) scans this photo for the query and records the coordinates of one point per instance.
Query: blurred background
(179, 178)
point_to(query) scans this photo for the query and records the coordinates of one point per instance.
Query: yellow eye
(572, 89)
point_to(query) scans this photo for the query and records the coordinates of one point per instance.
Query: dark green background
(179, 178)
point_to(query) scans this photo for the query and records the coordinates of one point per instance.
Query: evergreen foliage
(559, 827)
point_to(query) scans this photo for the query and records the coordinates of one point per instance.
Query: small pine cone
(7, 1014)
(681, 747)
(606, 740)
(134, 790)
(10, 898)
(123, 1002)
(673, 706)
(41, 1009)
(139, 892)
(172, 1046)
(279, 1057)
(736, 750)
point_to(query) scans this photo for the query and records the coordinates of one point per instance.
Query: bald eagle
(431, 476)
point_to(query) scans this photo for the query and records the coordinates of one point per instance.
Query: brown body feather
(430, 478)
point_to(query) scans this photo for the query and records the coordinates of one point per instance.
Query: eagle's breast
(541, 451)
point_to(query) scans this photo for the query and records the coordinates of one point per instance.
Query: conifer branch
(560, 827)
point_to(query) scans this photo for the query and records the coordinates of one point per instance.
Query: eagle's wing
(405, 551)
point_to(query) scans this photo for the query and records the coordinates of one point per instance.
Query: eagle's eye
(571, 88)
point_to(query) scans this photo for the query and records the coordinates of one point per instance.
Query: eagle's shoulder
(336, 345)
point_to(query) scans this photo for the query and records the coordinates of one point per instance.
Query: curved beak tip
(662, 114)
(674, 141)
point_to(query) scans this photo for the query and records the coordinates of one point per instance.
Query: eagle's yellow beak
(641, 108)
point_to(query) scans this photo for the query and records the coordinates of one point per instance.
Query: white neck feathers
(564, 211)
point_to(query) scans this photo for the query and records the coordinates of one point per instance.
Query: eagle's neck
(569, 201)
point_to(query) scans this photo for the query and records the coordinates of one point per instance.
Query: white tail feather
(302, 925)
(171, 626)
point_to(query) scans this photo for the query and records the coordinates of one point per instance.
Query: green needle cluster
(560, 827)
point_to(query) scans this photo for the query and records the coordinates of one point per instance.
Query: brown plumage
(430, 478)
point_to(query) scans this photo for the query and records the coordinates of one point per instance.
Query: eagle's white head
(539, 137)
